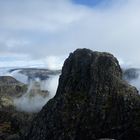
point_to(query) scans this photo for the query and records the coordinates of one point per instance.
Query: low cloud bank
(132, 76)
(34, 101)
(55, 62)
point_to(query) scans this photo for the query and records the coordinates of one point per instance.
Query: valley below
(23, 92)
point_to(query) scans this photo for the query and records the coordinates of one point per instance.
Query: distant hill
(8, 80)
(33, 73)
(131, 74)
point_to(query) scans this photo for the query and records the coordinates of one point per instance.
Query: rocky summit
(92, 102)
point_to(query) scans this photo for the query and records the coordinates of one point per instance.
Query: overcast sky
(43, 32)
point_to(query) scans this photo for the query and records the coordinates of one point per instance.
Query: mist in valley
(39, 91)
(49, 30)
(33, 100)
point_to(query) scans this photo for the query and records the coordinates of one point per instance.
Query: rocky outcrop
(12, 122)
(11, 87)
(92, 102)
(8, 80)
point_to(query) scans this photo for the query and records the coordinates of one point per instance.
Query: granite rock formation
(92, 102)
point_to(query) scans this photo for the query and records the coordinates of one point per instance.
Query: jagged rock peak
(85, 67)
(92, 102)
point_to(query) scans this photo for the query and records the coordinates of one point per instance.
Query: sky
(42, 33)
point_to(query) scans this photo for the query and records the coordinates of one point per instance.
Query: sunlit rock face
(10, 88)
(92, 102)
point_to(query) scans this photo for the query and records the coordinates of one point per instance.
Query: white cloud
(54, 62)
(35, 103)
(57, 27)
(50, 15)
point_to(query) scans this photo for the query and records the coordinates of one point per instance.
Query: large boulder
(92, 102)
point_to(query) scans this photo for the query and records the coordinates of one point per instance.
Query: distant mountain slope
(131, 74)
(33, 73)
(9, 86)
(8, 80)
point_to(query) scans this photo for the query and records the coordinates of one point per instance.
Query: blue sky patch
(91, 3)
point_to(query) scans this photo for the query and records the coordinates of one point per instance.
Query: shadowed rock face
(92, 102)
